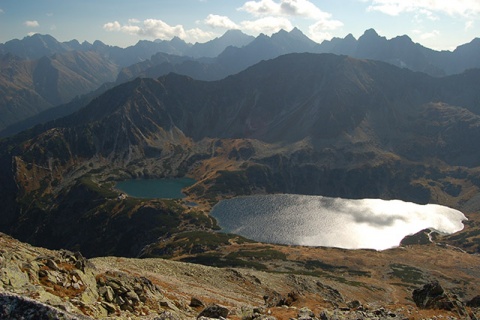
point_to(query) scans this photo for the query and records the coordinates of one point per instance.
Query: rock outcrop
(474, 302)
(433, 296)
(37, 283)
(40, 283)
(214, 311)
(13, 306)
(120, 292)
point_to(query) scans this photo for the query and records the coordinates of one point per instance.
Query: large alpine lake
(332, 222)
(155, 188)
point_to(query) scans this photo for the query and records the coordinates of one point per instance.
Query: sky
(436, 24)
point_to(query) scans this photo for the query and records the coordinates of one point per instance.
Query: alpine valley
(366, 118)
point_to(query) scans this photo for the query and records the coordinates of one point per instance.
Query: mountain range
(70, 69)
(38, 46)
(38, 72)
(400, 51)
(301, 123)
(366, 118)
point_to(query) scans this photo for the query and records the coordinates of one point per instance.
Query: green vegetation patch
(201, 219)
(211, 239)
(317, 264)
(407, 273)
(216, 260)
(231, 181)
(265, 254)
(463, 236)
(192, 242)
(95, 187)
(173, 205)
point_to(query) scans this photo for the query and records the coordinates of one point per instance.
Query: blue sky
(437, 24)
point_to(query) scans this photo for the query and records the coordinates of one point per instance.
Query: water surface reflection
(332, 222)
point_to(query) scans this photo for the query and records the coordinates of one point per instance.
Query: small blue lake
(155, 188)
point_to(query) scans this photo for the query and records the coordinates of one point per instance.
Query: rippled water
(155, 188)
(332, 222)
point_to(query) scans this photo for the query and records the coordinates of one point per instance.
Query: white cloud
(198, 35)
(217, 21)
(31, 23)
(151, 28)
(158, 29)
(318, 31)
(267, 25)
(31, 34)
(429, 35)
(133, 30)
(268, 16)
(426, 35)
(283, 9)
(302, 8)
(262, 7)
(469, 25)
(429, 14)
(452, 8)
(112, 26)
(1, 11)
(286, 8)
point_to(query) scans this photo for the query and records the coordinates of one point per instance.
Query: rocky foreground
(37, 283)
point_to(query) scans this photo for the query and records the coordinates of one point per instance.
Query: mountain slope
(299, 91)
(333, 286)
(301, 123)
(31, 86)
(39, 72)
(102, 59)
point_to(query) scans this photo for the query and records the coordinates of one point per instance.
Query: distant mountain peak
(350, 37)
(295, 30)
(177, 40)
(370, 32)
(262, 36)
(235, 35)
(98, 43)
(35, 35)
(297, 33)
(214, 47)
(41, 37)
(404, 39)
(371, 35)
(233, 32)
(281, 32)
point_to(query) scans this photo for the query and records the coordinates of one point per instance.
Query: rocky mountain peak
(370, 33)
(233, 33)
(178, 40)
(350, 37)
